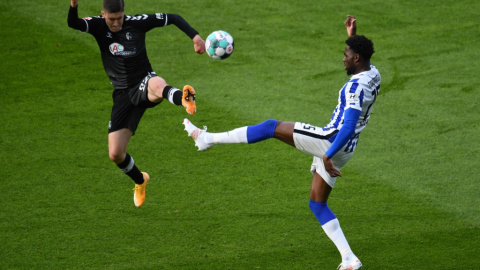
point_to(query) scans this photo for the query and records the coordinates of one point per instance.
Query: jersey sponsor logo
(118, 49)
(352, 97)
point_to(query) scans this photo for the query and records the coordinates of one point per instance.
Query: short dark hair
(361, 45)
(113, 6)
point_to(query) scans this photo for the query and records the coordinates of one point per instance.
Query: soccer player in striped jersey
(121, 40)
(331, 146)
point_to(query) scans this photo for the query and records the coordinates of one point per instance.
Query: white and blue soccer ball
(219, 45)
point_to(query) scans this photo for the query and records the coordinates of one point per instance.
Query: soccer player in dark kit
(121, 39)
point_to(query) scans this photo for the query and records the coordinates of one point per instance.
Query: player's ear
(103, 13)
(356, 58)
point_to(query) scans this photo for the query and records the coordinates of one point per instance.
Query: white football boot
(353, 265)
(198, 135)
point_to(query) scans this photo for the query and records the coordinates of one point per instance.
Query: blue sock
(321, 211)
(261, 131)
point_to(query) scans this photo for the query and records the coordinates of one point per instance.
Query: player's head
(113, 6)
(113, 12)
(358, 52)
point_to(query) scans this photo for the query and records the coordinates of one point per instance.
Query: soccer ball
(219, 45)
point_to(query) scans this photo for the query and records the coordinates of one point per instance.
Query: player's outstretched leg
(139, 191)
(188, 99)
(249, 134)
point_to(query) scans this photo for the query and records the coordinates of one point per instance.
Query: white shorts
(314, 141)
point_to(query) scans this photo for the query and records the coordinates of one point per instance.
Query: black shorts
(129, 105)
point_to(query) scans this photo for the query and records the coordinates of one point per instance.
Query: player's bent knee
(321, 211)
(270, 123)
(156, 86)
(116, 157)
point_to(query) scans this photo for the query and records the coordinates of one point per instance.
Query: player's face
(349, 58)
(114, 21)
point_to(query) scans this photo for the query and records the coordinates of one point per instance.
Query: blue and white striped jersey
(359, 93)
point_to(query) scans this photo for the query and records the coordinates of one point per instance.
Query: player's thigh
(284, 132)
(320, 189)
(148, 92)
(311, 139)
(155, 87)
(125, 114)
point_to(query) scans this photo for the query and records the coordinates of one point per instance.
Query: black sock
(174, 95)
(129, 168)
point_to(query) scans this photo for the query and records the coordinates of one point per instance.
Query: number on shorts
(308, 126)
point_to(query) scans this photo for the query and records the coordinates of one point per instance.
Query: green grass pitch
(409, 199)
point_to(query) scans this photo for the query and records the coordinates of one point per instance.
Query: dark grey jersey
(124, 54)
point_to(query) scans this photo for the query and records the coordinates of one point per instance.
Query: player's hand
(73, 3)
(330, 168)
(351, 25)
(198, 44)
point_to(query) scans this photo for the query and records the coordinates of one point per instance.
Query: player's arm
(346, 132)
(351, 25)
(73, 20)
(182, 24)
